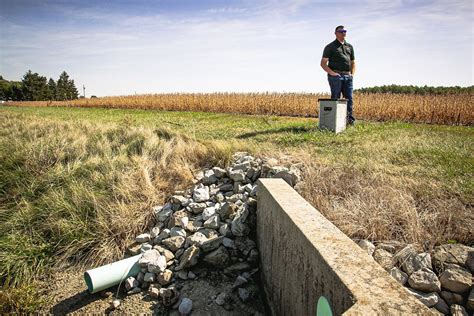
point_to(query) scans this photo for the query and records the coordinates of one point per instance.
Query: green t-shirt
(340, 55)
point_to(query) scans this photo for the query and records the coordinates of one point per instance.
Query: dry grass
(78, 193)
(384, 206)
(437, 109)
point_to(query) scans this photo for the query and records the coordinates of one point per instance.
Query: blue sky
(127, 47)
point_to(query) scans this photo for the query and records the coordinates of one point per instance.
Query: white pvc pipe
(111, 274)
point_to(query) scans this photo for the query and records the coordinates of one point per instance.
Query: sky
(144, 46)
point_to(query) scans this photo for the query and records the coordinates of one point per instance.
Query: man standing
(341, 68)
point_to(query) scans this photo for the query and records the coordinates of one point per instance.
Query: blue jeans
(342, 84)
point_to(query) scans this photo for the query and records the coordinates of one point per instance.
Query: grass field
(452, 109)
(77, 184)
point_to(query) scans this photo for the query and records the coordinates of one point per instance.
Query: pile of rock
(210, 227)
(441, 278)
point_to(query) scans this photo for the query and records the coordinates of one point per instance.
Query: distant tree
(65, 88)
(52, 89)
(34, 87)
(16, 91)
(62, 86)
(72, 92)
(417, 89)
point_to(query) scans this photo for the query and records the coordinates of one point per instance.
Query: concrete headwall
(304, 256)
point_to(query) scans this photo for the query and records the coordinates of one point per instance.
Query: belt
(342, 72)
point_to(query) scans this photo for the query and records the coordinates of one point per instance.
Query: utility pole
(84, 90)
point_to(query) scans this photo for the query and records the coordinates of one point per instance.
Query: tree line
(34, 87)
(423, 90)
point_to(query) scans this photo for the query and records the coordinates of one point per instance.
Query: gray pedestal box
(332, 114)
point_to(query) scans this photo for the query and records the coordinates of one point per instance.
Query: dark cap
(340, 27)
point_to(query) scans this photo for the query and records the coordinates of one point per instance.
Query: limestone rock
(225, 230)
(456, 279)
(189, 258)
(115, 304)
(145, 247)
(142, 238)
(228, 210)
(131, 283)
(290, 176)
(164, 277)
(401, 256)
(226, 187)
(441, 306)
(238, 226)
(177, 231)
(135, 290)
(154, 291)
(149, 277)
(218, 258)
(208, 212)
(228, 243)
(134, 249)
(451, 298)
(244, 294)
(162, 214)
(165, 252)
(157, 266)
(193, 226)
(453, 254)
(211, 244)
(429, 299)
(253, 255)
(470, 300)
(186, 306)
(165, 233)
(201, 193)
(209, 177)
(424, 280)
(213, 222)
(458, 310)
(197, 208)
(383, 258)
(155, 231)
(169, 296)
(237, 268)
(178, 218)
(237, 175)
(399, 275)
(195, 239)
(219, 172)
(148, 256)
(179, 199)
(174, 243)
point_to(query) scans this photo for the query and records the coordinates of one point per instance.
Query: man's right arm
(324, 65)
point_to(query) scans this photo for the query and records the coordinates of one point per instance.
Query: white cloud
(274, 45)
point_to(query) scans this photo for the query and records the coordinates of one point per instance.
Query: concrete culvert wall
(304, 257)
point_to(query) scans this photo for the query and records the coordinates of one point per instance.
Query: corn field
(450, 109)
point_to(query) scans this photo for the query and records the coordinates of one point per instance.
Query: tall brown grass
(453, 109)
(75, 193)
(383, 205)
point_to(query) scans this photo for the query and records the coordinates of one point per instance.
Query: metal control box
(332, 114)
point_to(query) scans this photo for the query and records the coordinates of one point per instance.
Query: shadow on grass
(293, 129)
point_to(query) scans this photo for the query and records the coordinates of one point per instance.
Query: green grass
(438, 152)
(73, 179)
